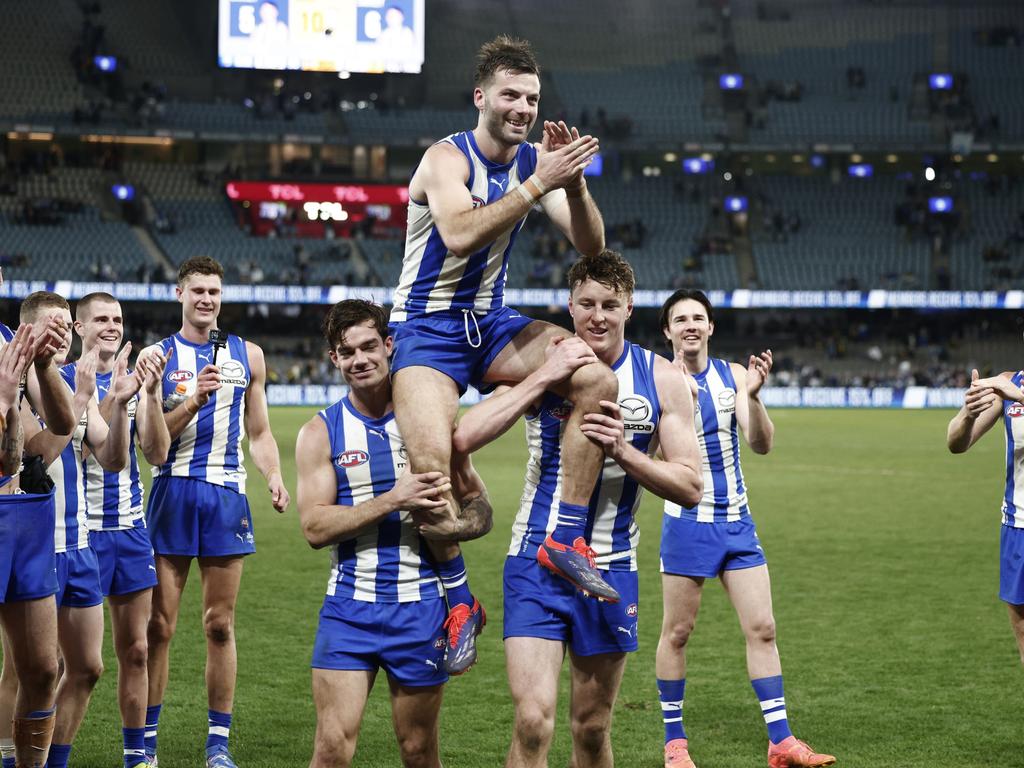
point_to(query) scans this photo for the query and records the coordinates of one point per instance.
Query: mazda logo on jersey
(179, 376)
(636, 413)
(1015, 410)
(350, 459)
(727, 398)
(232, 372)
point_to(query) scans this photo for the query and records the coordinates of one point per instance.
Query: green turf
(884, 556)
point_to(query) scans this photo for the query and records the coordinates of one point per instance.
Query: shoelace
(456, 620)
(587, 552)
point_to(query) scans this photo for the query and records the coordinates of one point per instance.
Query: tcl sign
(368, 194)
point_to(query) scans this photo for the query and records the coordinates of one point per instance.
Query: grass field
(883, 550)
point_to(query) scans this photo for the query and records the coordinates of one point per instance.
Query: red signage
(365, 194)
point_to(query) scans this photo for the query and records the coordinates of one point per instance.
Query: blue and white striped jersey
(210, 447)
(432, 278)
(386, 562)
(71, 531)
(113, 500)
(725, 495)
(612, 532)
(1013, 423)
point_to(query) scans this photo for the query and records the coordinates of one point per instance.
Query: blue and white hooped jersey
(432, 278)
(71, 531)
(385, 562)
(6, 334)
(725, 495)
(1013, 424)
(613, 533)
(113, 500)
(210, 447)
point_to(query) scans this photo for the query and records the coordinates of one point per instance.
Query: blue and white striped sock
(7, 753)
(570, 523)
(671, 694)
(219, 730)
(152, 725)
(773, 706)
(455, 581)
(134, 746)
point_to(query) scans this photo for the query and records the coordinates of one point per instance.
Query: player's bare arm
(751, 413)
(983, 405)
(323, 520)
(678, 477)
(493, 417)
(42, 442)
(441, 181)
(45, 388)
(15, 358)
(154, 439)
(572, 209)
(262, 445)
(475, 516)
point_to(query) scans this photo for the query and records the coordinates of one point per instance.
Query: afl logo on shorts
(636, 413)
(631, 609)
(1015, 410)
(561, 412)
(179, 376)
(350, 459)
(439, 643)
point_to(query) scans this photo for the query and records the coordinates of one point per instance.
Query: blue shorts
(78, 578)
(406, 640)
(28, 567)
(704, 550)
(1011, 565)
(441, 341)
(126, 560)
(194, 518)
(540, 604)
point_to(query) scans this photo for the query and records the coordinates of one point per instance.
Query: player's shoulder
(313, 435)
(669, 379)
(252, 349)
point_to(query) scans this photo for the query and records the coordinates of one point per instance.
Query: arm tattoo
(476, 517)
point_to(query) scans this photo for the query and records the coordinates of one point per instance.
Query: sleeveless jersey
(114, 499)
(433, 279)
(725, 495)
(612, 530)
(385, 562)
(1013, 424)
(210, 447)
(71, 531)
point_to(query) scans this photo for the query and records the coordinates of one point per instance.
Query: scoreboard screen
(321, 35)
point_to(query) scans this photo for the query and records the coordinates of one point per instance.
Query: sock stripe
(768, 704)
(671, 706)
(774, 717)
(219, 730)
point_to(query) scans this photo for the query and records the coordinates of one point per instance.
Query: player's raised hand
(421, 490)
(1000, 385)
(151, 367)
(51, 339)
(564, 355)
(607, 429)
(758, 369)
(563, 166)
(207, 383)
(85, 372)
(279, 495)
(14, 360)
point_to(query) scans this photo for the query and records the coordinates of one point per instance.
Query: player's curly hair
(199, 265)
(36, 302)
(683, 294)
(504, 54)
(607, 267)
(349, 312)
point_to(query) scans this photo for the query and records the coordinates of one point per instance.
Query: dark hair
(348, 313)
(92, 298)
(34, 303)
(199, 265)
(505, 54)
(682, 295)
(607, 267)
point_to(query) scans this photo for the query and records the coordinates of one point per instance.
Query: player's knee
(87, 675)
(219, 626)
(39, 676)
(335, 751)
(136, 654)
(596, 381)
(418, 749)
(590, 733)
(535, 726)
(762, 631)
(160, 629)
(678, 634)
